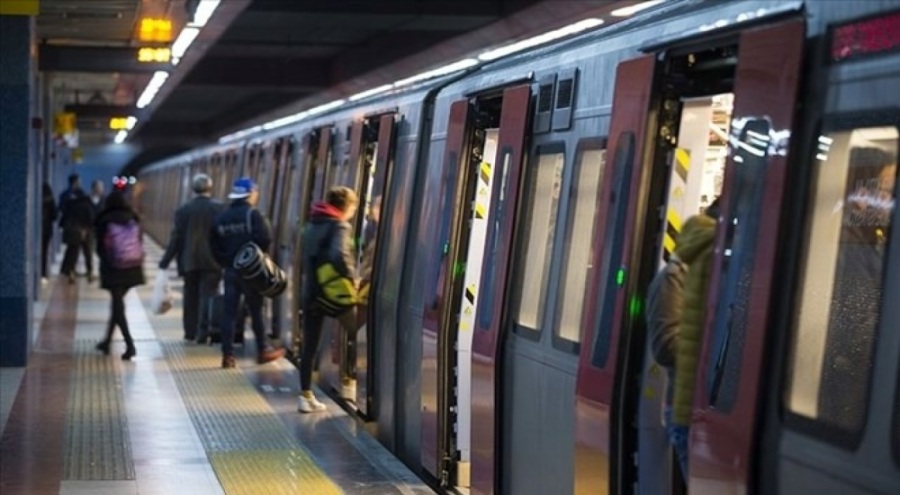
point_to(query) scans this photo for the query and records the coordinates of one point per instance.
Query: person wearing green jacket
(694, 249)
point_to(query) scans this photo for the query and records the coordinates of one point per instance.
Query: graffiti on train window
(840, 293)
(579, 235)
(540, 212)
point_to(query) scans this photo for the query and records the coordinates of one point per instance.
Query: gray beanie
(202, 184)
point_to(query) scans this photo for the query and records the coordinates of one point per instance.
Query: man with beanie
(189, 244)
(239, 224)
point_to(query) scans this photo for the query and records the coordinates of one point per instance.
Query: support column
(17, 179)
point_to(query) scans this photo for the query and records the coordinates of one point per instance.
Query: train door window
(840, 293)
(541, 202)
(589, 166)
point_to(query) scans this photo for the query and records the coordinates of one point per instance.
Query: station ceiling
(256, 56)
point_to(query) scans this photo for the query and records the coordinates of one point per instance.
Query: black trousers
(117, 317)
(199, 287)
(235, 290)
(45, 248)
(74, 245)
(312, 337)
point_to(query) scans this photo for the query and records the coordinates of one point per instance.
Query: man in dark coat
(77, 223)
(239, 224)
(189, 244)
(48, 215)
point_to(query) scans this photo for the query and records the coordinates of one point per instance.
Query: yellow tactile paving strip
(272, 472)
(249, 448)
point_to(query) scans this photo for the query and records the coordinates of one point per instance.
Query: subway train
(519, 207)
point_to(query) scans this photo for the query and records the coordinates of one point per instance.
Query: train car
(528, 202)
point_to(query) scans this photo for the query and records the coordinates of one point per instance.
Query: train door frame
(306, 155)
(610, 382)
(807, 448)
(282, 169)
(507, 107)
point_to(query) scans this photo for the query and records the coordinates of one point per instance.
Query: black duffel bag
(260, 271)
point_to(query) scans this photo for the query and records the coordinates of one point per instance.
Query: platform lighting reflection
(185, 38)
(290, 119)
(120, 137)
(440, 71)
(634, 9)
(541, 39)
(371, 92)
(159, 78)
(130, 122)
(204, 11)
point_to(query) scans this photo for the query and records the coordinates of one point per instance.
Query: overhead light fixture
(121, 136)
(541, 39)
(440, 71)
(204, 12)
(634, 9)
(185, 38)
(130, 122)
(156, 82)
(371, 92)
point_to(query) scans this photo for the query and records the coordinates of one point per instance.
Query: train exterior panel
(526, 205)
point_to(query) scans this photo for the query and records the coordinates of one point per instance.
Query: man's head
(202, 184)
(244, 188)
(97, 187)
(344, 199)
(74, 181)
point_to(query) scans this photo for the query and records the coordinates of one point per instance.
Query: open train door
(605, 299)
(487, 338)
(732, 359)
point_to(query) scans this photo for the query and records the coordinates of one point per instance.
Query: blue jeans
(235, 288)
(678, 437)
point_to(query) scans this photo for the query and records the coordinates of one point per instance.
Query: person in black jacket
(239, 224)
(189, 244)
(326, 238)
(117, 213)
(77, 222)
(48, 215)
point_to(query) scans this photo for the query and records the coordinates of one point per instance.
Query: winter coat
(110, 277)
(48, 210)
(189, 242)
(235, 227)
(77, 217)
(326, 239)
(694, 248)
(665, 298)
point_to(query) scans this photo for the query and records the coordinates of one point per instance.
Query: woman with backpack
(121, 251)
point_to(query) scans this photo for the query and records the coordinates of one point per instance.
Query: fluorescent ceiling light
(541, 39)
(204, 11)
(371, 92)
(185, 38)
(130, 122)
(440, 71)
(159, 78)
(633, 9)
(120, 137)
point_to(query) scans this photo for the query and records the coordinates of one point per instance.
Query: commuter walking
(326, 239)
(77, 223)
(189, 244)
(239, 224)
(121, 252)
(48, 215)
(97, 195)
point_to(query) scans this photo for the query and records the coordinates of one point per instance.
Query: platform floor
(170, 421)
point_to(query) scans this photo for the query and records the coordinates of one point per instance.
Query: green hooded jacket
(694, 248)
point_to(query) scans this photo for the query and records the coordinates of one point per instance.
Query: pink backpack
(124, 245)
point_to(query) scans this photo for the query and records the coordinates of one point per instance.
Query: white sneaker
(312, 405)
(348, 389)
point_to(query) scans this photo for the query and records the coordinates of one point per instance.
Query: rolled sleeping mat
(258, 269)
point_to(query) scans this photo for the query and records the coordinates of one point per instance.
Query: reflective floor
(171, 420)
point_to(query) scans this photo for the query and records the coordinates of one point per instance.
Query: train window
(540, 209)
(589, 165)
(840, 292)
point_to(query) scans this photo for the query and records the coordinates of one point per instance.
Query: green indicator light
(458, 269)
(635, 307)
(620, 277)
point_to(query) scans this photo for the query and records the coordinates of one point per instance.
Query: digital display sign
(866, 37)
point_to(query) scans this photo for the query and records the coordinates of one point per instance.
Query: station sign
(154, 55)
(153, 29)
